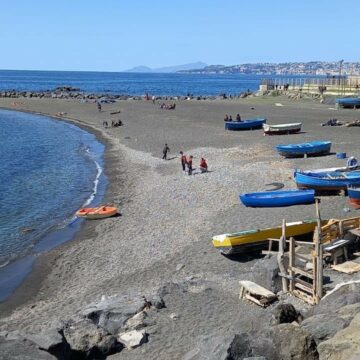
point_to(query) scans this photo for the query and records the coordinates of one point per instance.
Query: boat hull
(100, 212)
(354, 197)
(326, 181)
(314, 148)
(348, 102)
(282, 129)
(242, 241)
(278, 198)
(245, 125)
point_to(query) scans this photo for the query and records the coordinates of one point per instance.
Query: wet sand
(168, 217)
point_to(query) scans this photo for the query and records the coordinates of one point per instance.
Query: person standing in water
(166, 149)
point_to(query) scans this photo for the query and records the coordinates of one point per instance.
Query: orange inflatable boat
(100, 212)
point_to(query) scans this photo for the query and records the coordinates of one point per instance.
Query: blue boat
(309, 149)
(354, 196)
(327, 180)
(278, 198)
(348, 102)
(249, 124)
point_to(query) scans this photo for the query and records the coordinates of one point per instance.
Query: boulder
(344, 345)
(284, 313)
(112, 313)
(51, 341)
(323, 326)
(284, 341)
(209, 347)
(132, 339)
(89, 340)
(22, 350)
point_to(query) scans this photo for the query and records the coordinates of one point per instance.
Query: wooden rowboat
(241, 241)
(311, 148)
(245, 124)
(99, 212)
(281, 129)
(278, 198)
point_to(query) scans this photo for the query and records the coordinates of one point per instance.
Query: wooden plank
(304, 243)
(302, 272)
(280, 257)
(348, 267)
(254, 300)
(291, 263)
(355, 231)
(309, 299)
(256, 289)
(304, 288)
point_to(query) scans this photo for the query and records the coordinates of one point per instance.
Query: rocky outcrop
(344, 345)
(284, 341)
(284, 313)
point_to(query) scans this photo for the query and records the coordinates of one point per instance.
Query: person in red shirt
(183, 160)
(203, 165)
(189, 164)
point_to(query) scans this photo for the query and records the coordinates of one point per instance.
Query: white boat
(282, 128)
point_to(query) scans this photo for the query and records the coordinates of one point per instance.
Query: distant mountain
(140, 69)
(168, 69)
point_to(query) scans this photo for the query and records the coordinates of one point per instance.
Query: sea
(50, 168)
(176, 84)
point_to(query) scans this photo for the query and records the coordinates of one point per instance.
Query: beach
(163, 236)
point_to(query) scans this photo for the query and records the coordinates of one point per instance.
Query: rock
(284, 313)
(284, 341)
(136, 322)
(209, 347)
(51, 341)
(323, 326)
(265, 273)
(179, 267)
(344, 345)
(112, 313)
(173, 316)
(132, 339)
(86, 338)
(22, 350)
(157, 301)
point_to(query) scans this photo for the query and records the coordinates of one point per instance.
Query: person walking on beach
(99, 106)
(153, 99)
(203, 165)
(189, 164)
(183, 160)
(166, 149)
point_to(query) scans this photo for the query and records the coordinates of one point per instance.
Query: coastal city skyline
(84, 36)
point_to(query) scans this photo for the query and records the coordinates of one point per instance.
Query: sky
(115, 35)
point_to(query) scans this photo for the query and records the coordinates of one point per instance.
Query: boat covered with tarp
(281, 129)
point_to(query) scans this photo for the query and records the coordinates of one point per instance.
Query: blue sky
(112, 35)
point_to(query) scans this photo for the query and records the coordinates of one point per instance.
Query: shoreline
(41, 265)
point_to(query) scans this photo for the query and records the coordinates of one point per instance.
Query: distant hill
(168, 69)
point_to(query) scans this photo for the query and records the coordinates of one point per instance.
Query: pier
(332, 85)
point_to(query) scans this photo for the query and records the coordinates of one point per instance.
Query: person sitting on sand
(226, 118)
(230, 118)
(183, 160)
(203, 165)
(189, 164)
(238, 117)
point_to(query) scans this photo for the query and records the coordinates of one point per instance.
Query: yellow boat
(238, 242)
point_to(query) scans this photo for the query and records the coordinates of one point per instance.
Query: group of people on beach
(168, 106)
(186, 162)
(229, 118)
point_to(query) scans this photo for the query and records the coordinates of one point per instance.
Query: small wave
(7, 262)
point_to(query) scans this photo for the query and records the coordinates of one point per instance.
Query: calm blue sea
(48, 169)
(131, 83)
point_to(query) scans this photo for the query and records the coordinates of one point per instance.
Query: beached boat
(100, 212)
(281, 128)
(249, 124)
(310, 149)
(354, 196)
(327, 180)
(278, 198)
(251, 239)
(348, 102)
(334, 169)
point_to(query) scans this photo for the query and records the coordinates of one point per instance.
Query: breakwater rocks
(68, 92)
(104, 328)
